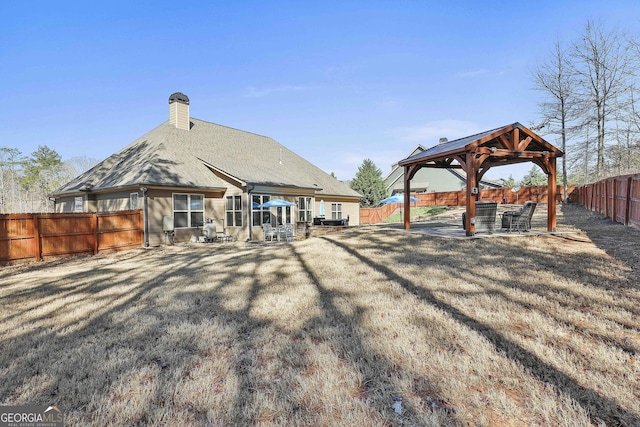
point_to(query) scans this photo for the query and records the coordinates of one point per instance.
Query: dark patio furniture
(485, 216)
(519, 220)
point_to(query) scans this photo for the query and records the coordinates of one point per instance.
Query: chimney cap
(179, 97)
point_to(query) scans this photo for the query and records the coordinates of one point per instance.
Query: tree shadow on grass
(129, 358)
(617, 240)
(597, 406)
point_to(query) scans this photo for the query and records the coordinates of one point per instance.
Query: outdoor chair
(519, 220)
(269, 232)
(285, 232)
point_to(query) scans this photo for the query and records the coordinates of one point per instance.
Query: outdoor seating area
(513, 220)
(331, 222)
(519, 220)
(485, 216)
(279, 233)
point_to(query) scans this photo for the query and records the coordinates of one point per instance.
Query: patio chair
(286, 231)
(269, 232)
(519, 220)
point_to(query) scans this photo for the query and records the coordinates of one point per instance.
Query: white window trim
(188, 210)
(137, 199)
(226, 211)
(336, 211)
(309, 209)
(261, 210)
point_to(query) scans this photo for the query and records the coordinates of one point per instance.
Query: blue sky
(336, 82)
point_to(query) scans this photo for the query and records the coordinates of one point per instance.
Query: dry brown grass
(541, 330)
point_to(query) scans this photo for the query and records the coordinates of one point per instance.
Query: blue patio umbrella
(274, 203)
(397, 198)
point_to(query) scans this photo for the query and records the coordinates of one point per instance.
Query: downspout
(250, 188)
(145, 216)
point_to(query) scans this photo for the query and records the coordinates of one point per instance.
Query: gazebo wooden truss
(476, 154)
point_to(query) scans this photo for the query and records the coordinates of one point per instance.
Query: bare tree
(603, 64)
(11, 162)
(559, 107)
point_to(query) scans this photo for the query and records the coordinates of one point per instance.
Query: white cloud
(254, 92)
(472, 73)
(429, 134)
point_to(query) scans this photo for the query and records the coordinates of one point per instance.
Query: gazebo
(476, 154)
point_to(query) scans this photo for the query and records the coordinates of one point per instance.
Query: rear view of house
(187, 172)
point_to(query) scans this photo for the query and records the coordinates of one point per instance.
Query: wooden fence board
(617, 198)
(459, 198)
(35, 236)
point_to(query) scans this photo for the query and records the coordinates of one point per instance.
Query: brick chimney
(179, 110)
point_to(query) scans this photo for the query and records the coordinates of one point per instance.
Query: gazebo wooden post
(470, 226)
(478, 153)
(407, 195)
(551, 195)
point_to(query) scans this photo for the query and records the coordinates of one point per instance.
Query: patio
(449, 224)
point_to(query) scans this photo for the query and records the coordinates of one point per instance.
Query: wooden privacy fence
(459, 198)
(35, 236)
(617, 198)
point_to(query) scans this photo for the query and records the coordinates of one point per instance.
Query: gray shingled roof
(167, 156)
(452, 145)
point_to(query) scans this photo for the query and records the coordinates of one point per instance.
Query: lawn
(417, 213)
(372, 326)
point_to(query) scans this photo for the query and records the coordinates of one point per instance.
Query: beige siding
(160, 204)
(179, 115)
(67, 204)
(119, 201)
(349, 207)
(353, 211)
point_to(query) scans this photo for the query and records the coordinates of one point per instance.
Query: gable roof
(394, 180)
(172, 157)
(497, 141)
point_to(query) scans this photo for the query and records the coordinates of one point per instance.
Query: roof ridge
(232, 128)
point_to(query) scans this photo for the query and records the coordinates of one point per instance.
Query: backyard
(370, 326)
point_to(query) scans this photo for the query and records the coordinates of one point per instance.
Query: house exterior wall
(160, 204)
(107, 202)
(118, 201)
(67, 204)
(349, 208)
(438, 180)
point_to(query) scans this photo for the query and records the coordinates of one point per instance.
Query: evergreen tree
(509, 182)
(535, 177)
(42, 175)
(368, 182)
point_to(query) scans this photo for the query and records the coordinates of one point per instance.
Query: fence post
(614, 190)
(36, 237)
(95, 229)
(606, 198)
(627, 202)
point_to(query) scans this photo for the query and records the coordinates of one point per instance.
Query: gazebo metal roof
(476, 154)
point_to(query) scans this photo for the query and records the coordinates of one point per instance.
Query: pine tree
(535, 177)
(368, 182)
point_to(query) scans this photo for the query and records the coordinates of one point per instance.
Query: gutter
(145, 215)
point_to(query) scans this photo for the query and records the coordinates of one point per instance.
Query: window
(188, 210)
(305, 209)
(283, 215)
(234, 211)
(78, 204)
(336, 210)
(133, 201)
(259, 216)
